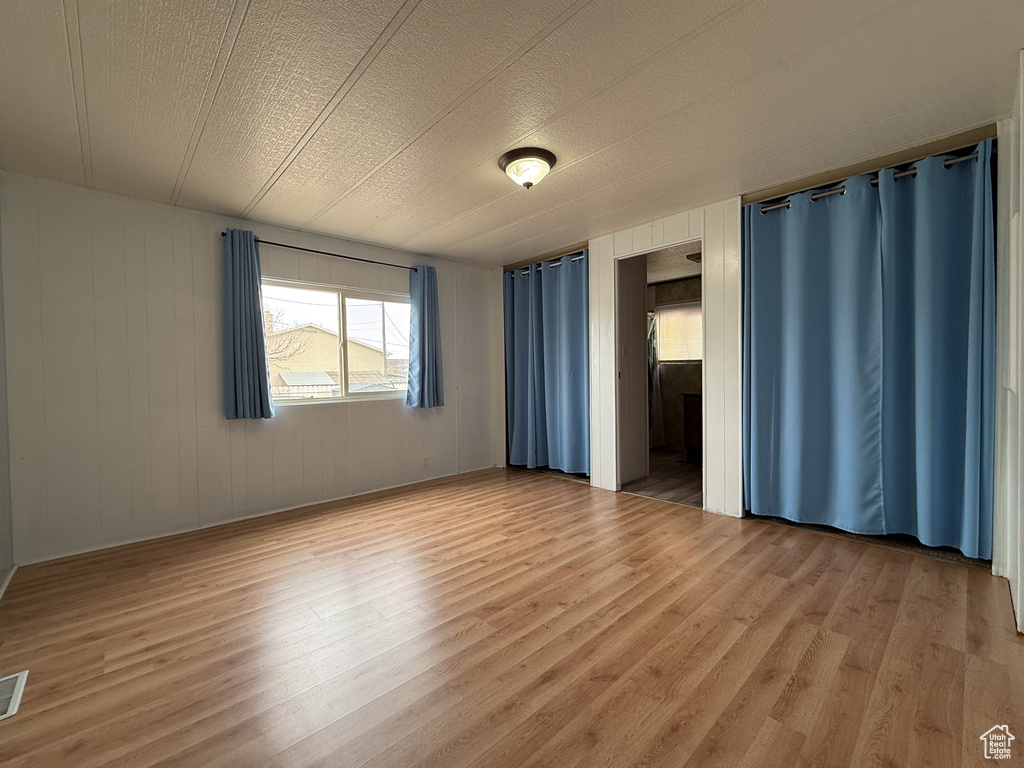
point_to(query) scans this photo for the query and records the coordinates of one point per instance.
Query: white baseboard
(7, 580)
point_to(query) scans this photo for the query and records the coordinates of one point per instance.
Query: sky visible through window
(366, 324)
(294, 307)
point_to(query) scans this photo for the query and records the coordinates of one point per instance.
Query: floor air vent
(10, 693)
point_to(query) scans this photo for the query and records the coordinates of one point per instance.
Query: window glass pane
(302, 342)
(378, 345)
(679, 332)
(396, 332)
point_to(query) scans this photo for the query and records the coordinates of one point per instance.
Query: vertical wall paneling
(312, 454)
(185, 372)
(115, 357)
(475, 391)
(287, 457)
(19, 228)
(460, 337)
(718, 227)
(110, 289)
(259, 468)
(327, 456)
(631, 375)
(213, 435)
(137, 320)
(1016, 356)
(342, 465)
(603, 384)
(712, 293)
(493, 295)
(161, 345)
(1008, 522)
(723, 364)
(597, 432)
(6, 530)
(732, 345)
(69, 363)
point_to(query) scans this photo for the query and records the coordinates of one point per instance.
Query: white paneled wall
(113, 310)
(1008, 522)
(718, 228)
(6, 536)
(632, 451)
(722, 296)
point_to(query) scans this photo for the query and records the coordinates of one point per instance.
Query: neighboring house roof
(361, 342)
(369, 381)
(306, 378)
(364, 343)
(398, 366)
(314, 326)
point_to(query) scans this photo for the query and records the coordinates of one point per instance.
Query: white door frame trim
(718, 228)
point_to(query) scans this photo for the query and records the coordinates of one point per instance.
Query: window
(378, 345)
(679, 332)
(329, 343)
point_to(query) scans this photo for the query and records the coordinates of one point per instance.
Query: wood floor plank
(250, 729)
(804, 694)
(992, 695)
(774, 746)
(568, 726)
(989, 620)
(885, 736)
(564, 726)
(751, 705)
(506, 618)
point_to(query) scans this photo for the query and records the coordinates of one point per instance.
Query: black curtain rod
(328, 253)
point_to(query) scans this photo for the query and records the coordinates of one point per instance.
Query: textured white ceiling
(672, 263)
(382, 120)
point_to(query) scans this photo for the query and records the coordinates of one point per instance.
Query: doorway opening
(667, 376)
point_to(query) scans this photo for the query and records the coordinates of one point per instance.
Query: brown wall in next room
(687, 289)
(677, 379)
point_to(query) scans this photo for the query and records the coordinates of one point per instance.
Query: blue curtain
(869, 331)
(547, 364)
(247, 379)
(938, 262)
(426, 376)
(813, 348)
(525, 394)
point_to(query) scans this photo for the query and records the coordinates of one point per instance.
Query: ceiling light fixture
(526, 166)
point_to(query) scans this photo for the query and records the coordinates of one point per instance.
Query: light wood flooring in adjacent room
(671, 478)
(506, 618)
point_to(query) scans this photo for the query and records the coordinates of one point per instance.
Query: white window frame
(344, 292)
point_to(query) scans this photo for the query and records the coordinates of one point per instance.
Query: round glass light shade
(526, 166)
(527, 171)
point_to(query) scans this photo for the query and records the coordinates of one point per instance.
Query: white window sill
(399, 395)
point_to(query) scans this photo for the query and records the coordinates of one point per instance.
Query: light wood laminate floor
(506, 618)
(671, 478)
